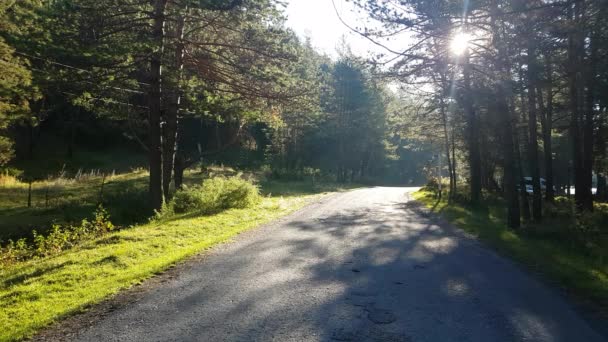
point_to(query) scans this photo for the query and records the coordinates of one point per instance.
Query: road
(364, 265)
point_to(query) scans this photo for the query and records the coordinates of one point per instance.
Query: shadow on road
(388, 272)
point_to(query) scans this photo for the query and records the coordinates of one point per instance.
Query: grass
(581, 269)
(36, 293)
(69, 197)
(66, 199)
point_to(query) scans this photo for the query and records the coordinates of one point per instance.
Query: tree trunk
(446, 140)
(533, 136)
(154, 104)
(70, 152)
(509, 168)
(588, 131)
(546, 118)
(575, 84)
(506, 121)
(473, 135)
(455, 189)
(524, 205)
(602, 188)
(178, 170)
(170, 129)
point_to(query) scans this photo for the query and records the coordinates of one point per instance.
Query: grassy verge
(35, 293)
(575, 268)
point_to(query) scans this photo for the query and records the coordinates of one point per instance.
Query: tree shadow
(368, 269)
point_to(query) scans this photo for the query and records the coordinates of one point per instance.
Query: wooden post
(29, 194)
(103, 181)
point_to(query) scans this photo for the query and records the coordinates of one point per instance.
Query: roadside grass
(40, 291)
(69, 197)
(580, 269)
(35, 293)
(66, 199)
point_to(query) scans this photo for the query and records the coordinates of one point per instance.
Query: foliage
(522, 95)
(58, 239)
(214, 195)
(186, 199)
(6, 150)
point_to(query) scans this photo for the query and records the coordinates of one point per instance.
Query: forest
(117, 115)
(185, 85)
(518, 87)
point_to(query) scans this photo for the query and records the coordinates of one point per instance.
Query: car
(530, 187)
(572, 190)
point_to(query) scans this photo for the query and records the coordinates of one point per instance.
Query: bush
(216, 194)
(187, 199)
(58, 239)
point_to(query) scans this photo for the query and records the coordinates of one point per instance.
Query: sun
(460, 43)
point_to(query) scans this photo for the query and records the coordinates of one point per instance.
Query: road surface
(365, 265)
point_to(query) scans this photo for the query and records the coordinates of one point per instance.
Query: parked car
(530, 188)
(572, 190)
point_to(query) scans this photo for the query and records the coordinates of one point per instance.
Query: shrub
(15, 251)
(58, 239)
(216, 194)
(128, 205)
(186, 199)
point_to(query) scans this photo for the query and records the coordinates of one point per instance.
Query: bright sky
(318, 20)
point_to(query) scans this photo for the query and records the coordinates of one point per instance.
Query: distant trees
(343, 129)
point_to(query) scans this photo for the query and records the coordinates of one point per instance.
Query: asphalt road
(365, 265)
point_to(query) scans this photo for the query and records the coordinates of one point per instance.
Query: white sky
(318, 20)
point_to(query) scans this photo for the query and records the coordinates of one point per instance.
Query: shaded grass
(580, 270)
(68, 199)
(36, 293)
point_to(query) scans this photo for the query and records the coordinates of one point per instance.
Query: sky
(318, 20)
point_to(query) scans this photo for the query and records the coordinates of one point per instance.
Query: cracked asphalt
(364, 265)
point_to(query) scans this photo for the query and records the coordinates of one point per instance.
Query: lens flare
(460, 43)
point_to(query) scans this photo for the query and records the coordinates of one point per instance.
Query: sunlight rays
(459, 43)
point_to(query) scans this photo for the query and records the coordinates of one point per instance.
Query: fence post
(29, 194)
(103, 182)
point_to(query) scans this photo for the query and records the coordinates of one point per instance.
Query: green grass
(580, 269)
(36, 293)
(69, 199)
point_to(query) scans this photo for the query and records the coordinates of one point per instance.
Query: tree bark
(600, 141)
(447, 149)
(154, 105)
(524, 205)
(588, 131)
(506, 122)
(533, 136)
(171, 126)
(473, 134)
(575, 85)
(546, 118)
